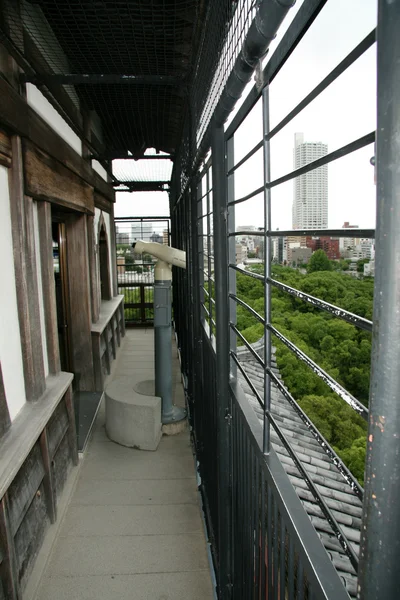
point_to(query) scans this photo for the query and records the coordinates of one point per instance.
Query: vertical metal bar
(267, 269)
(269, 543)
(257, 531)
(291, 569)
(275, 542)
(253, 527)
(379, 573)
(209, 209)
(222, 364)
(231, 248)
(262, 540)
(300, 580)
(282, 560)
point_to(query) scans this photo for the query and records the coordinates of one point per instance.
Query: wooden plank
(117, 328)
(9, 565)
(79, 298)
(18, 117)
(94, 282)
(98, 368)
(49, 293)
(26, 277)
(57, 427)
(48, 482)
(23, 487)
(72, 437)
(4, 414)
(47, 179)
(30, 535)
(112, 339)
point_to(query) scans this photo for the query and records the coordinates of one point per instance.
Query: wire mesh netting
(156, 38)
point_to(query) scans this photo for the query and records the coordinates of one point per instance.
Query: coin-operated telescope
(167, 256)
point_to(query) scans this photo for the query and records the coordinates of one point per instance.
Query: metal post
(379, 574)
(230, 160)
(222, 348)
(162, 343)
(267, 270)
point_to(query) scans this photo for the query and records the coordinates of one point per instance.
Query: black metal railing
(136, 273)
(265, 538)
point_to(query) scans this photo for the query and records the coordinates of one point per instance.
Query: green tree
(319, 262)
(361, 263)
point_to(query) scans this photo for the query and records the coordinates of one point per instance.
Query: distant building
(369, 269)
(165, 237)
(241, 254)
(329, 245)
(122, 238)
(299, 255)
(310, 202)
(348, 243)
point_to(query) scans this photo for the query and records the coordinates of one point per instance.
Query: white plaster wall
(10, 341)
(96, 166)
(43, 107)
(107, 220)
(97, 215)
(40, 288)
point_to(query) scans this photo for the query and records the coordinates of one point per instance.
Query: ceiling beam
(96, 79)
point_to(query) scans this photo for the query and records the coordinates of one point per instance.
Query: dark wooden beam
(5, 150)
(47, 179)
(26, 277)
(49, 294)
(103, 203)
(18, 117)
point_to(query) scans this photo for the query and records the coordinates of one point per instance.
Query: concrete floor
(133, 528)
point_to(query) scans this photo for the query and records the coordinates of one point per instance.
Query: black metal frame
(139, 314)
(248, 504)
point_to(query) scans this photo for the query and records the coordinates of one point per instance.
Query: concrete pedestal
(133, 419)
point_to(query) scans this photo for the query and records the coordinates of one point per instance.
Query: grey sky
(344, 112)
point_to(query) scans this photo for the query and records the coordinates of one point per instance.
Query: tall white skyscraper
(310, 202)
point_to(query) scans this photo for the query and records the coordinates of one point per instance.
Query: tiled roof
(346, 507)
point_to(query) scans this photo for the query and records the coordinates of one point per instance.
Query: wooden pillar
(79, 301)
(49, 293)
(26, 277)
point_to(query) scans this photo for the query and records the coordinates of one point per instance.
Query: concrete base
(148, 389)
(132, 418)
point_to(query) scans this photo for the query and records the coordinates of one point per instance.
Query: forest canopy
(341, 349)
